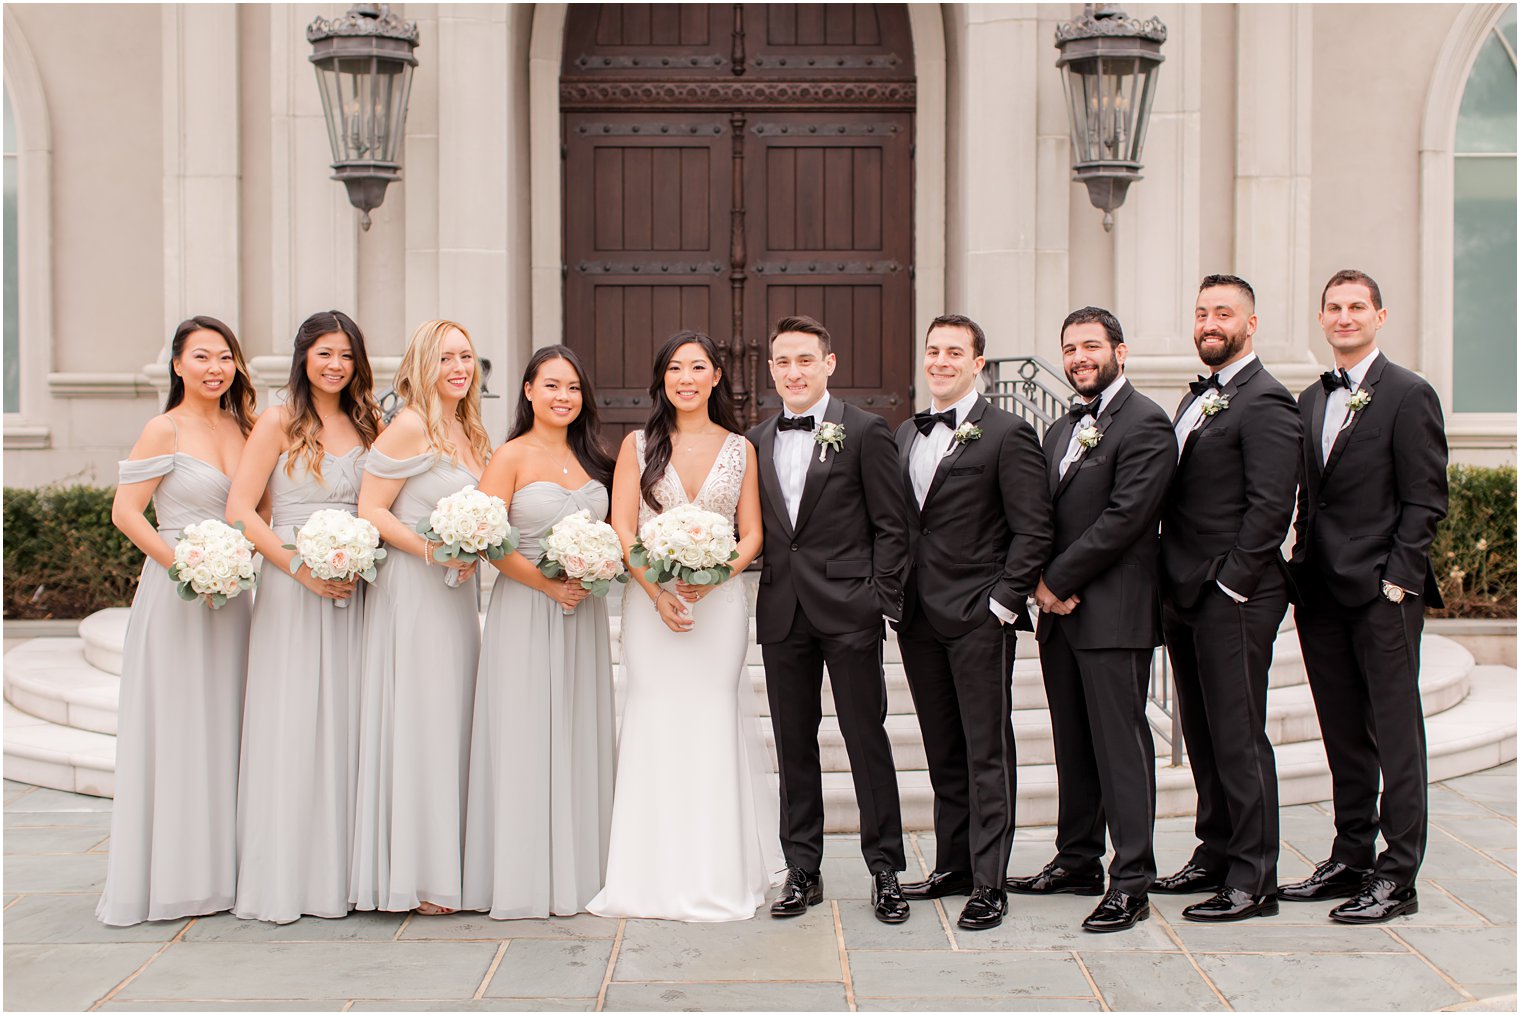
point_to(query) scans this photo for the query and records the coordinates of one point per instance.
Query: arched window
(1483, 229)
(12, 388)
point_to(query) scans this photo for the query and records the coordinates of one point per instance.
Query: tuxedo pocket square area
(1213, 431)
(1088, 463)
(1364, 434)
(968, 470)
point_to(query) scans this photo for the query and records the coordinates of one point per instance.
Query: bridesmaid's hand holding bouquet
(337, 547)
(212, 561)
(468, 524)
(578, 549)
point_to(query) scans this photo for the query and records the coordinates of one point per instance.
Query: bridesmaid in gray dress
(421, 639)
(172, 846)
(543, 749)
(296, 782)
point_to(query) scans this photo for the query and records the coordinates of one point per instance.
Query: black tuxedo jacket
(1231, 500)
(984, 529)
(1106, 511)
(1369, 512)
(843, 562)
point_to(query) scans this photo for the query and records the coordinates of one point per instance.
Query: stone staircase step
(43, 753)
(50, 678)
(103, 633)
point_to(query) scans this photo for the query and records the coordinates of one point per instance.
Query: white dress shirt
(1338, 405)
(923, 461)
(1191, 420)
(1105, 397)
(792, 450)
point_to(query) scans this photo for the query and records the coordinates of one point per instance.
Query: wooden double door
(729, 164)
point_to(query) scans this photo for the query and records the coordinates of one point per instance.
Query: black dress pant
(962, 691)
(1105, 758)
(1364, 669)
(1221, 651)
(793, 684)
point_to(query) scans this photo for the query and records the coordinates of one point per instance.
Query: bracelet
(427, 552)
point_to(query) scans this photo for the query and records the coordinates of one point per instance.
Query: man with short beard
(1226, 591)
(1110, 461)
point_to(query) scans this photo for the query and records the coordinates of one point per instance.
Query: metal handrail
(1029, 387)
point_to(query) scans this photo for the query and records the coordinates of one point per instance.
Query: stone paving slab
(1328, 983)
(534, 967)
(482, 1004)
(1492, 898)
(726, 997)
(52, 977)
(353, 927)
(480, 927)
(800, 948)
(1150, 982)
(966, 974)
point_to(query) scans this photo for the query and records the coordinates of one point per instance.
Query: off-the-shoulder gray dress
(421, 647)
(173, 849)
(296, 782)
(543, 752)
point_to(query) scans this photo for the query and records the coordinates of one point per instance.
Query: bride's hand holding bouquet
(690, 547)
(466, 526)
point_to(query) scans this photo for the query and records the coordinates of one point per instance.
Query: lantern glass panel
(332, 106)
(1147, 82)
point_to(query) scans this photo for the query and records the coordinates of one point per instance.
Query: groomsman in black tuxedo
(974, 482)
(835, 549)
(1226, 591)
(1111, 460)
(1372, 486)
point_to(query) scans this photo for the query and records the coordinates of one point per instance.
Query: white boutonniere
(1089, 436)
(1214, 402)
(828, 435)
(967, 432)
(1360, 399)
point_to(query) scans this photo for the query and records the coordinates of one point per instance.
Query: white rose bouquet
(468, 523)
(214, 561)
(337, 546)
(686, 544)
(585, 550)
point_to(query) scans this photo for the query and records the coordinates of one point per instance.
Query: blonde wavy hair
(417, 385)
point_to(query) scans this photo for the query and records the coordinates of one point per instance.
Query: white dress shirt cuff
(1001, 612)
(1229, 591)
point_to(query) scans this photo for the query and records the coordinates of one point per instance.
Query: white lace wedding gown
(694, 812)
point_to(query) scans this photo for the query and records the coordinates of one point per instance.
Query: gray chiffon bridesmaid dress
(296, 783)
(543, 751)
(173, 847)
(421, 646)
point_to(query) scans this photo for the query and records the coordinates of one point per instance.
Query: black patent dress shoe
(887, 898)
(1231, 904)
(1117, 911)
(1330, 880)
(984, 910)
(1379, 900)
(1055, 879)
(938, 885)
(1189, 880)
(800, 891)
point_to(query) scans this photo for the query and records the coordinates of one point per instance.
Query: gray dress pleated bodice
(542, 760)
(421, 647)
(173, 823)
(299, 767)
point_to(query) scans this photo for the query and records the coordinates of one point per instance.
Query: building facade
(163, 161)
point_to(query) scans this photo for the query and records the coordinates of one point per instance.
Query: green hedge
(1474, 550)
(63, 557)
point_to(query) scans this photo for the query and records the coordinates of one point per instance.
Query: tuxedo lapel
(1060, 439)
(818, 470)
(957, 448)
(1104, 421)
(1374, 374)
(907, 435)
(770, 480)
(1229, 391)
(1182, 408)
(1317, 426)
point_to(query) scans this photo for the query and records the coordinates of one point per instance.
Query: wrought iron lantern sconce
(1108, 66)
(364, 68)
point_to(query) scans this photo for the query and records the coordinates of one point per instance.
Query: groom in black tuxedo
(1111, 459)
(973, 478)
(1372, 486)
(835, 549)
(1226, 591)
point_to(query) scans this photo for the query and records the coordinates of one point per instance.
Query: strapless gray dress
(300, 722)
(421, 647)
(543, 751)
(173, 848)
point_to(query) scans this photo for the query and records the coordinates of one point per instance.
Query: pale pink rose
(607, 571)
(574, 563)
(193, 556)
(339, 560)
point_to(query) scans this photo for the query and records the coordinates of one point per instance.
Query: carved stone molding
(738, 94)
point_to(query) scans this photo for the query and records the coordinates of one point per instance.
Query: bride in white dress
(694, 813)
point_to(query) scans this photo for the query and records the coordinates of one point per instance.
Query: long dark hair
(239, 397)
(303, 427)
(584, 432)
(662, 417)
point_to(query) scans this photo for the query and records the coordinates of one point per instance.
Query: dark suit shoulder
(861, 419)
(1145, 408)
(755, 432)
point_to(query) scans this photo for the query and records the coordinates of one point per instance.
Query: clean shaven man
(1372, 486)
(1225, 592)
(835, 549)
(973, 479)
(1111, 460)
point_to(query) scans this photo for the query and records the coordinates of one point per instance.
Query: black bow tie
(786, 423)
(1333, 379)
(925, 420)
(1080, 408)
(1203, 384)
